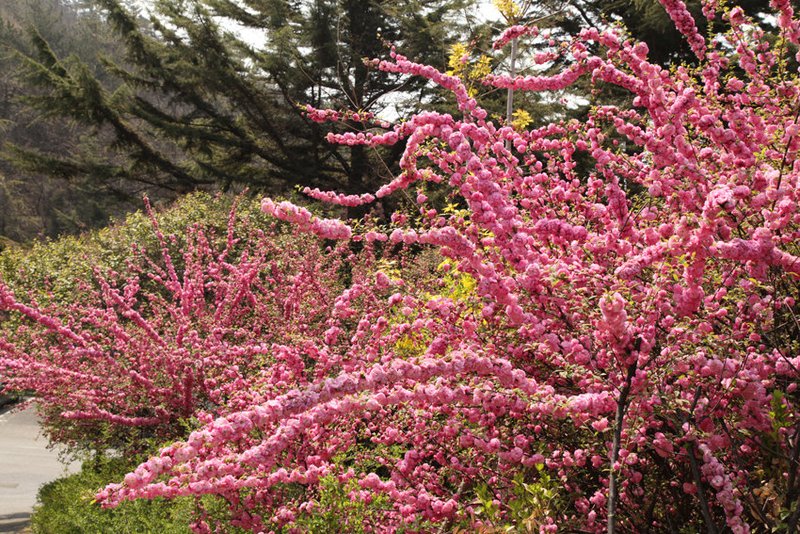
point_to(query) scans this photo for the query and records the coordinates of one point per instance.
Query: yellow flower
(482, 68)
(521, 119)
(456, 61)
(508, 8)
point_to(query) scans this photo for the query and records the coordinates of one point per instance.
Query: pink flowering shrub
(606, 350)
(213, 327)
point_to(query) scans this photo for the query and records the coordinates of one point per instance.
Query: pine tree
(193, 105)
(34, 203)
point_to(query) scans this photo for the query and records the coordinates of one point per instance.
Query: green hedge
(53, 269)
(66, 506)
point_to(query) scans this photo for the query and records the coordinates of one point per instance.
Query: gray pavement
(25, 464)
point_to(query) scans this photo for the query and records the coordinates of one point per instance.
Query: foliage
(335, 510)
(53, 269)
(33, 204)
(67, 505)
(635, 338)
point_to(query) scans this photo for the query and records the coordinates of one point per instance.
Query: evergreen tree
(34, 203)
(194, 105)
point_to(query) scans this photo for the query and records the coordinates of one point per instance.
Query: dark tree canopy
(193, 105)
(32, 202)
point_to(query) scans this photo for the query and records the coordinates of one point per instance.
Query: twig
(622, 406)
(701, 494)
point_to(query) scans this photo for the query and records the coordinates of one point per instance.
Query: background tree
(34, 203)
(194, 105)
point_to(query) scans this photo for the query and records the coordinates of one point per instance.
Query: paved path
(25, 464)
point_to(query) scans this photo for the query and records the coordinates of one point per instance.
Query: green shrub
(53, 270)
(66, 506)
(336, 511)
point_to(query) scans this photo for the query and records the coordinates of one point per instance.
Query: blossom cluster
(175, 337)
(514, 32)
(331, 197)
(303, 218)
(627, 329)
(608, 345)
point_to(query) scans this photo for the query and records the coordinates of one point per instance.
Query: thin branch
(622, 407)
(711, 527)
